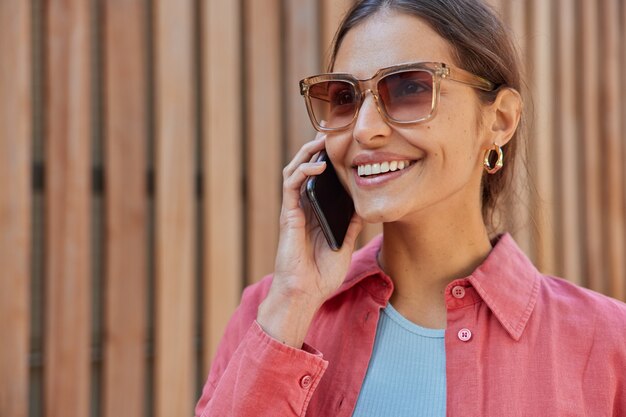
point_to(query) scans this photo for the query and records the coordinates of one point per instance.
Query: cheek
(452, 148)
(337, 148)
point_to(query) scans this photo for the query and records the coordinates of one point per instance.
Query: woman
(434, 317)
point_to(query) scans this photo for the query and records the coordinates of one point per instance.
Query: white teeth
(381, 168)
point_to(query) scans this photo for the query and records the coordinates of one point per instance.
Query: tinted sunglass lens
(407, 96)
(333, 103)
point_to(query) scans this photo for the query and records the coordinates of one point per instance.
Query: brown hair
(480, 44)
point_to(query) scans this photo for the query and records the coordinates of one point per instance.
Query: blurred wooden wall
(141, 149)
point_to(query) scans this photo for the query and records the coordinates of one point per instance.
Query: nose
(370, 126)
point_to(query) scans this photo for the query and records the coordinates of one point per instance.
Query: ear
(503, 117)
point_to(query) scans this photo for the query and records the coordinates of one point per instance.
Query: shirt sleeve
(254, 374)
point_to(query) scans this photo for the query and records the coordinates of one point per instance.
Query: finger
(354, 229)
(293, 184)
(305, 154)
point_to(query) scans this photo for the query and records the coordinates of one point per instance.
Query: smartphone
(330, 203)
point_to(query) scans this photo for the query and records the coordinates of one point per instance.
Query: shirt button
(458, 292)
(465, 335)
(305, 382)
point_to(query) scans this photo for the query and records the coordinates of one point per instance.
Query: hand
(307, 271)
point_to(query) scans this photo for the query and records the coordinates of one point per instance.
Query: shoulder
(583, 308)
(564, 292)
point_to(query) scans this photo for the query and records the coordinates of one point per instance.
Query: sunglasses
(404, 94)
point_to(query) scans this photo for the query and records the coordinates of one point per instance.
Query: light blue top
(407, 372)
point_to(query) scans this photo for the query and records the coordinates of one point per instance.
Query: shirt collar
(507, 281)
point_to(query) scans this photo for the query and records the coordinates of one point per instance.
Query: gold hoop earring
(499, 163)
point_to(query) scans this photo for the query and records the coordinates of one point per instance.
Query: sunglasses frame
(438, 71)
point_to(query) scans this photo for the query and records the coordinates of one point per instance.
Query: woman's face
(444, 154)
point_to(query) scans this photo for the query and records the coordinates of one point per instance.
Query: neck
(423, 257)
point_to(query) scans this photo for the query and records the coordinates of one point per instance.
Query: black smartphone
(330, 203)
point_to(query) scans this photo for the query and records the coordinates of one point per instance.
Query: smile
(381, 168)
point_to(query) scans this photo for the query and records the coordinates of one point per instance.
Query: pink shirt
(518, 343)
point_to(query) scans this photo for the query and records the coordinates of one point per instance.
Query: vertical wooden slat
(174, 208)
(67, 200)
(15, 205)
(567, 138)
(332, 13)
(623, 106)
(126, 209)
(542, 154)
(612, 145)
(590, 59)
(263, 133)
(302, 60)
(223, 259)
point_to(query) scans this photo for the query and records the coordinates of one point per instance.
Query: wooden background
(141, 148)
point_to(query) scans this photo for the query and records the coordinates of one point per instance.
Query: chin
(371, 212)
